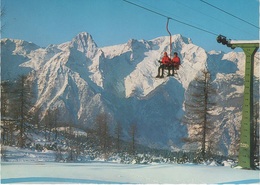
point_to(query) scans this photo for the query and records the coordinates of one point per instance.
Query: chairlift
(167, 67)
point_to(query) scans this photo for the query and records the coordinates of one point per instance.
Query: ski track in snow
(114, 173)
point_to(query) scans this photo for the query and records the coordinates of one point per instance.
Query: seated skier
(174, 64)
(164, 63)
(176, 61)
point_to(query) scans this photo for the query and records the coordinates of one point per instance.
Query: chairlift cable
(168, 17)
(212, 17)
(230, 14)
(146, 8)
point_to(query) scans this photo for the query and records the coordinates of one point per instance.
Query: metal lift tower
(246, 154)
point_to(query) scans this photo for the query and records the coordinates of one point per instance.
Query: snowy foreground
(109, 173)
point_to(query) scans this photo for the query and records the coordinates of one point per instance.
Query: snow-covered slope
(83, 80)
(113, 173)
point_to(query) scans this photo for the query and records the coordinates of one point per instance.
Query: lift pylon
(246, 153)
(246, 150)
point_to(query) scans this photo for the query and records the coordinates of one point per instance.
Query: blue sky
(111, 22)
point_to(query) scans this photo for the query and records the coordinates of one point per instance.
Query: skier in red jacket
(176, 60)
(164, 63)
(174, 64)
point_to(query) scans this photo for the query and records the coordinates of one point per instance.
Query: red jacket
(166, 60)
(176, 60)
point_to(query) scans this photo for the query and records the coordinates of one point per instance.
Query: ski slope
(115, 173)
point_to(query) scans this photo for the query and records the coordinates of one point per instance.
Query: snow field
(104, 172)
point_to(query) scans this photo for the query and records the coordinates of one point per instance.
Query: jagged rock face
(83, 80)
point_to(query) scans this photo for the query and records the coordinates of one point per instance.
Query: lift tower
(246, 154)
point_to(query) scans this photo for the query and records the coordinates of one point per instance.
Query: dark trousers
(163, 66)
(171, 67)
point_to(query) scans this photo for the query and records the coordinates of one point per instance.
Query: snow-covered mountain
(82, 80)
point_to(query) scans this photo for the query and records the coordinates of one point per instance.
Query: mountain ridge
(83, 80)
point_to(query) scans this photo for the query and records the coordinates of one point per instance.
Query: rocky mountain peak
(84, 42)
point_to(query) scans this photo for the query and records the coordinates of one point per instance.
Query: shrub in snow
(228, 162)
(59, 156)
(3, 153)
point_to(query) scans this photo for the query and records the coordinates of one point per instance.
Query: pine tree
(7, 121)
(55, 115)
(102, 132)
(22, 104)
(199, 104)
(133, 132)
(46, 125)
(118, 133)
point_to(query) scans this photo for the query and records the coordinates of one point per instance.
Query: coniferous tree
(47, 124)
(71, 155)
(55, 116)
(102, 132)
(133, 133)
(50, 124)
(22, 103)
(36, 118)
(199, 103)
(7, 121)
(5, 99)
(118, 133)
